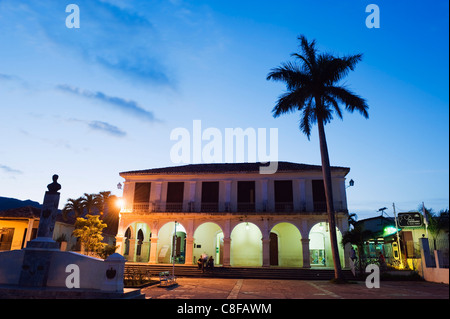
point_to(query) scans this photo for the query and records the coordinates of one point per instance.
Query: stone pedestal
(113, 275)
(35, 266)
(43, 271)
(47, 221)
(39, 251)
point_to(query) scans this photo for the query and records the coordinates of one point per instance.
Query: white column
(189, 196)
(261, 194)
(153, 250)
(271, 195)
(128, 195)
(266, 252)
(29, 231)
(306, 253)
(155, 193)
(309, 204)
(233, 196)
(226, 251)
(198, 196)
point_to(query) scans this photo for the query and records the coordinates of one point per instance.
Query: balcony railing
(141, 207)
(322, 206)
(284, 207)
(279, 207)
(174, 207)
(246, 207)
(209, 207)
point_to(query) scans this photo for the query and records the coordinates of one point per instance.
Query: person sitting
(200, 263)
(204, 258)
(211, 263)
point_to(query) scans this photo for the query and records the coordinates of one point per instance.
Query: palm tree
(357, 236)
(102, 201)
(109, 211)
(437, 224)
(89, 202)
(73, 205)
(313, 89)
(352, 220)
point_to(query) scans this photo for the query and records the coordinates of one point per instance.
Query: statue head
(54, 187)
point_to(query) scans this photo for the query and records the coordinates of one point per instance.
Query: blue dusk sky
(87, 103)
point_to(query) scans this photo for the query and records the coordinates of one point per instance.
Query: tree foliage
(89, 230)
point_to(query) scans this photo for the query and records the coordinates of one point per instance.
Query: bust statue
(54, 187)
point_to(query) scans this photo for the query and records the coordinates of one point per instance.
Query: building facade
(383, 239)
(19, 225)
(232, 213)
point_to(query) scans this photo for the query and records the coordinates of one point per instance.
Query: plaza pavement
(219, 288)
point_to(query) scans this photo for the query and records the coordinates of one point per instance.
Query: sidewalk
(216, 288)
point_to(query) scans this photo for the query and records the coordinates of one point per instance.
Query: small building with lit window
(19, 225)
(383, 239)
(232, 213)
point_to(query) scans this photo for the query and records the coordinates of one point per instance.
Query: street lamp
(174, 245)
(120, 203)
(350, 183)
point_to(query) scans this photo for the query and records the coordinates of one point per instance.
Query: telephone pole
(398, 238)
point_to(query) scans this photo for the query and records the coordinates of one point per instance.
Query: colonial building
(19, 225)
(232, 213)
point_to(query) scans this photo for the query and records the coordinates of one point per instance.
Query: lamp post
(398, 238)
(174, 248)
(350, 183)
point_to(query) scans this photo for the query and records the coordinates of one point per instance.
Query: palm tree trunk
(326, 172)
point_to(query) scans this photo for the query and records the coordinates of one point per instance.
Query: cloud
(107, 128)
(101, 126)
(10, 170)
(13, 79)
(130, 107)
(118, 37)
(7, 77)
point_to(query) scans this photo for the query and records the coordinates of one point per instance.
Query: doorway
(273, 249)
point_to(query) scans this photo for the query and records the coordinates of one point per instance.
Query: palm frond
(289, 102)
(333, 69)
(307, 118)
(309, 49)
(289, 73)
(351, 101)
(330, 100)
(306, 65)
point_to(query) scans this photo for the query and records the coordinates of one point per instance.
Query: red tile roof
(21, 212)
(230, 168)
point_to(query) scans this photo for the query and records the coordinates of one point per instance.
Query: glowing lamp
(389, 230)
(120, 203)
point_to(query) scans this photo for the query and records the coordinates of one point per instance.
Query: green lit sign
(389, 230)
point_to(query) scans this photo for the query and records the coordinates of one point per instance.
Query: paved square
(212, 288)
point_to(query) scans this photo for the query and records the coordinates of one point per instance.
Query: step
(244, 272)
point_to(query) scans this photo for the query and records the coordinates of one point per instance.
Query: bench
(165, 279)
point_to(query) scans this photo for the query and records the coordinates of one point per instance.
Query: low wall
(10, 265)
(83, 271)
(432, 271)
